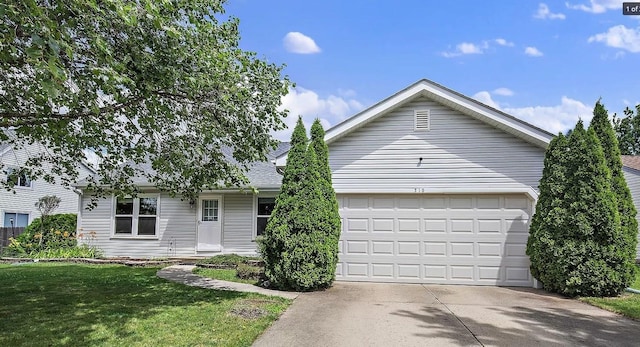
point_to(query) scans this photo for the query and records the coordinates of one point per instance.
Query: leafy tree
(628, 131)
(577, 245)
(46, 205)
(135, 82)
(300, 243)
(626, 210)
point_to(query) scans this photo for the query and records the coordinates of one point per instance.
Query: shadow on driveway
(374, 314)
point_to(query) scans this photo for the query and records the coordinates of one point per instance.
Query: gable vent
(422, 120)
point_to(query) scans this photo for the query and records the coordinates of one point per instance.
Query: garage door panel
(382, 225)
(435, 225)
(462, 239)
(408, 225)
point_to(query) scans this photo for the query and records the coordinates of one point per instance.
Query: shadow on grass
(80, 305)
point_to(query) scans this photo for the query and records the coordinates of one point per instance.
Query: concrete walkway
(183, 274)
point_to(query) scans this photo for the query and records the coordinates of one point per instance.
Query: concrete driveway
(372, 314)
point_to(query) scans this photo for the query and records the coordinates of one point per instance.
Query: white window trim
(134, 219)
(18, 186)
(28, 213)
(255, 211)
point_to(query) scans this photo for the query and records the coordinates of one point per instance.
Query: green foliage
(53, 237)
(229, 260)
(576, 245)
(249, 272)
(624, 201)
(135, 82)
(300, 244)
(628, 131)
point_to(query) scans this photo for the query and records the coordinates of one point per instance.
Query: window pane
(262, 224)
(8, 218)
(148, 206)
(147, 226)
(24, 181)
(23, 220)
(124, 206)
(209, 210)
(266, 206)
(123, 225)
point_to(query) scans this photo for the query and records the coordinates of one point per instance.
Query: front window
(18, 178)
(265, 208)
(136, 216)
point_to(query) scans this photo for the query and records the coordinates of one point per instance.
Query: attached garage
(435, 187)
(452, 239)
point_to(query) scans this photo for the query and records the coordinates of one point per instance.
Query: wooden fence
(6, 233)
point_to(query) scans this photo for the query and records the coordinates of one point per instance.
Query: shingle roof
(261, 174)
(631, 161)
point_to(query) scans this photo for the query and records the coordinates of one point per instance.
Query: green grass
(112, 305)
(627, 304)
(222, 274)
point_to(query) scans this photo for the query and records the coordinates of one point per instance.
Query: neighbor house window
(18, 178)
(265, 207)
(136, 216)
(16, 220)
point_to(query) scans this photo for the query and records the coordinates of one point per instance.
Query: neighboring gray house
(631, 170)
(18, 209)
(433, 187)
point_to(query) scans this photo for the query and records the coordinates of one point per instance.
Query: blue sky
(544, 62)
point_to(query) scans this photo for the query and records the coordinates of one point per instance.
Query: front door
(209, 224)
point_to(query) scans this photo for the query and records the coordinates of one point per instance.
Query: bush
(249, 272)
(229, 260)
(58, 231)
(300, 244)
(576, 243)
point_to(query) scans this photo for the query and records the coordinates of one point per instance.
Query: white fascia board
(529, 191)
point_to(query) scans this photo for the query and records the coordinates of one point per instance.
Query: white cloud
(557, 118)
(503, 42)
(308, 104)
(475, 48)
(598, 6)
(469, 48)
(533, 52)
(503, 92)
(621, 37)
(544, 13)
(296, 42)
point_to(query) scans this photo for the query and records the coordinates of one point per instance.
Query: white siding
(176, 232)
(633, 181)
(458, 152)
(24, 199)
(238, 223)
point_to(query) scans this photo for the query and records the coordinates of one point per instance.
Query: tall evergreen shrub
(626, 210)
(576, 243)
(300, 244)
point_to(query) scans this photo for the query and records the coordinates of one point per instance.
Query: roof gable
(447, 97)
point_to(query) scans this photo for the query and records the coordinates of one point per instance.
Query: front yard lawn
(627, 304)
(113, 305)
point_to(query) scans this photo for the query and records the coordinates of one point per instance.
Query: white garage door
(448, 239)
